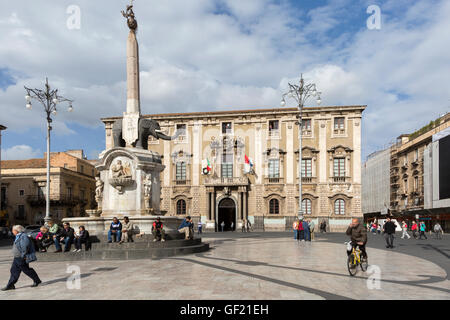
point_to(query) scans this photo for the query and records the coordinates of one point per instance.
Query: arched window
(339, 206)
(306, 206)
(274, 206)
(181, 207)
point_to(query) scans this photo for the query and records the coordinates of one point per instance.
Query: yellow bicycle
(354, 259)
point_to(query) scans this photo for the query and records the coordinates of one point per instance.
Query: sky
(208, 55)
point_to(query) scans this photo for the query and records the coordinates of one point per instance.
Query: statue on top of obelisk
(129, 14)
(131, 117)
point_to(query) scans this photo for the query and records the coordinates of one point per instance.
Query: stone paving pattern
(251, 266)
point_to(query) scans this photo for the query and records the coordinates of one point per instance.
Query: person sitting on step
(67, 235)
(44, 239)
(81, 237)
(115, 230)
(158, 231)
(127, 230)
(186, 227)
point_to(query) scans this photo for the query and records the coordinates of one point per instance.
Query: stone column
(133, 74)
(245, 205)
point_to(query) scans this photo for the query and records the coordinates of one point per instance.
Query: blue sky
(203, 55)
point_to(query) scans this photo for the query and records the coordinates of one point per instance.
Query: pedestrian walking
(24, 253)
(199, 226)
(244, 223)
(249, 225)
(438, 230)
(422, 231)
(405, 230)
(295, 228)
(312, 226)
(222, 225)
(414, 229)
(301, 231)
(389, 231)
(379, 229)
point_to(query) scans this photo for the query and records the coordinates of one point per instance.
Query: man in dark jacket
(158, 231)
(115, 230)
(389, 231)
(67, 235)
(186, 227)
(358, 236)
(24, 253)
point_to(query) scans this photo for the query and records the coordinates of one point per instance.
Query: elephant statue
(146, 128)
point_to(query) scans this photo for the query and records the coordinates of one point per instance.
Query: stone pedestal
(131, 182)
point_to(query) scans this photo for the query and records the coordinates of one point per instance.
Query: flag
(206, 166)
(248, 165)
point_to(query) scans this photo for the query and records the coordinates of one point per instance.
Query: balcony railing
(181, 182)
(275, 180)
(55, 200)
(340, 179)
(274, 133)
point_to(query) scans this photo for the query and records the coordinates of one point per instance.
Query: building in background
(250, 158)
(418, 176)
(72, 187)
(376, 184)
(3, 217)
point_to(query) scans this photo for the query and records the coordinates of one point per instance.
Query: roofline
(256, 111)
(3, 127)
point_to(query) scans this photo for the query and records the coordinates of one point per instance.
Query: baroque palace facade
(267, 196)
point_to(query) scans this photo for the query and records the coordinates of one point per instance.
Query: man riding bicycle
(358, 236)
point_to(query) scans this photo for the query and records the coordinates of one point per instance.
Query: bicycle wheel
(352, 267)
(364, 264)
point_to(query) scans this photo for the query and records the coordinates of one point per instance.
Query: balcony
(405, 166)
(340, 179)
(55, 200)
(274, 134)
(181, 182)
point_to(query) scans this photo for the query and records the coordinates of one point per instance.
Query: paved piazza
(251, 266)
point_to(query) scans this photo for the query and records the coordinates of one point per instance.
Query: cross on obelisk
(130, 120)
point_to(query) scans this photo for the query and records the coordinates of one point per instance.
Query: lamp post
(301, 93)
(1, 199)
(49, 99)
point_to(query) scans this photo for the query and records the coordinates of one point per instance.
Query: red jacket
(300, 226)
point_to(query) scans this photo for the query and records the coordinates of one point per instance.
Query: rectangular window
(339, 167)
(181, 171)
(69, 192)
(339, 124)
(21, 212)
(183, 135)
(21, 193)
(405, 185)
(226, 128)
(274, 168)
(82, 169)
(274, 128)
(306, 168)
(416, 184)
(227, 165)
(82, 194)
(306, 125)
(416, 155)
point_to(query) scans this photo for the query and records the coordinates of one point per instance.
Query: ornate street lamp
(49, 99)
(301, 93)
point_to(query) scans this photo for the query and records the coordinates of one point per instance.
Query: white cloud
(194, 60)
(21, 152)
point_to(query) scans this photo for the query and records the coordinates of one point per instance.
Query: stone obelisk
(130, 120)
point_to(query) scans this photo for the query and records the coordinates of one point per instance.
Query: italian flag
(248, 166)
(206, 166)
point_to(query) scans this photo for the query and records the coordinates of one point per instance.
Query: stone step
(124, 254)
(145, 244)
(142, 238)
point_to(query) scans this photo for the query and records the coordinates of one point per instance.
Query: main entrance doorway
(226, 214)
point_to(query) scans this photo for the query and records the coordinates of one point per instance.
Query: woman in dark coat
(82, 237)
